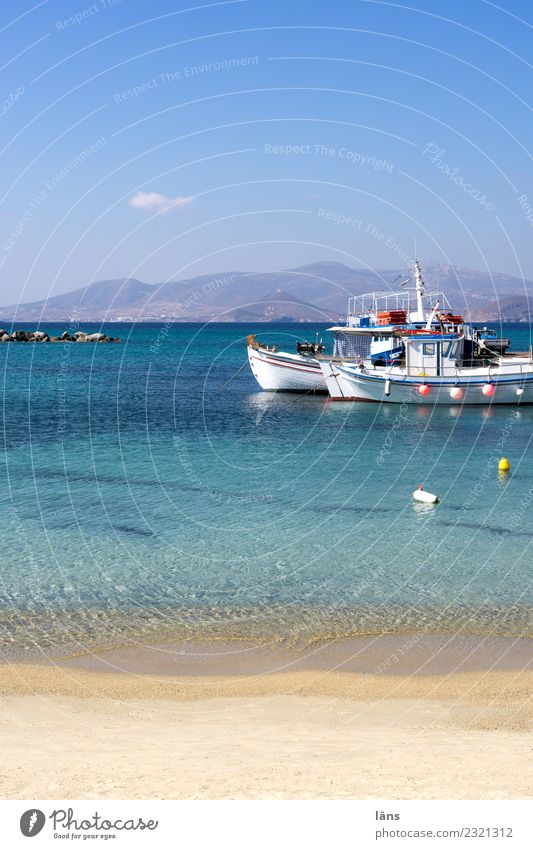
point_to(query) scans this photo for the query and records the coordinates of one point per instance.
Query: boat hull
(350, 383)
(283, 372)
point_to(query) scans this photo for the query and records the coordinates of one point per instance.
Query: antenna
(403, 283)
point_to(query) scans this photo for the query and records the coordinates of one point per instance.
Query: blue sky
(170, 139)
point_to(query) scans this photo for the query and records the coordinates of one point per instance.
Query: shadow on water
(127, 529)
(482, 526)
(339, 508)
(70, 477)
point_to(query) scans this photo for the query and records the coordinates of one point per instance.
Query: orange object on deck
(391, 317)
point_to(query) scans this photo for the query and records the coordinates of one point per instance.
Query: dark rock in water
(22, 336)
(40, 336)
(5, 337)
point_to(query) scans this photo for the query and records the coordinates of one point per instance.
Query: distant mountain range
(316, 292)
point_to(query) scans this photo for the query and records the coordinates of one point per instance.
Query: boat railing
(373, 302)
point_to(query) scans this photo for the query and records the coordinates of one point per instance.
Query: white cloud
(153, 202)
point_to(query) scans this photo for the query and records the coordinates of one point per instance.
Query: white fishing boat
(281, 371)
(442, 361)
(433, 372)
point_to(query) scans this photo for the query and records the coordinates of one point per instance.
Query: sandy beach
(304, 733)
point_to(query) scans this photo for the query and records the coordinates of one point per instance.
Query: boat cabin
(433, 354)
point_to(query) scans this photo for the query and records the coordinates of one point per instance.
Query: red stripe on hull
(307, 370)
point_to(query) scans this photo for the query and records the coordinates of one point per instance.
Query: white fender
(426, 497)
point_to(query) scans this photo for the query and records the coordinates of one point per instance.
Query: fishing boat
(434, 360)
(281, 371)
(433, 370)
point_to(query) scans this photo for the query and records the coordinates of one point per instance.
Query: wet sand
(447, 718)
(387, 654)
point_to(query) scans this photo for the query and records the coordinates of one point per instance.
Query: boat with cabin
(419, 358)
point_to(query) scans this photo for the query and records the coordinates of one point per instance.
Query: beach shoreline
(316, 732)
(291, 736)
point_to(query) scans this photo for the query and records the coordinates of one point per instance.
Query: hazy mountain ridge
(314, 292)
(506, 308)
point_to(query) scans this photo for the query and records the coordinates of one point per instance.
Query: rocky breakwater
(42, 336)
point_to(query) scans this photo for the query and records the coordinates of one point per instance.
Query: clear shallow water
(143, 499)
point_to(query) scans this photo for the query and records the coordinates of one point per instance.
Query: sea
(151, 491)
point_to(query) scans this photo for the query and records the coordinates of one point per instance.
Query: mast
(420, 289)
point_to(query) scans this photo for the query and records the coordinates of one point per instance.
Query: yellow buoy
(504, 465)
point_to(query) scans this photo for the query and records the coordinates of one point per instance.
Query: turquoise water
(142, 498)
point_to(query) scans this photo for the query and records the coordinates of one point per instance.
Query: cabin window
(428, 349)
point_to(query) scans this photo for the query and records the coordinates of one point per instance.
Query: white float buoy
(420, 494)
